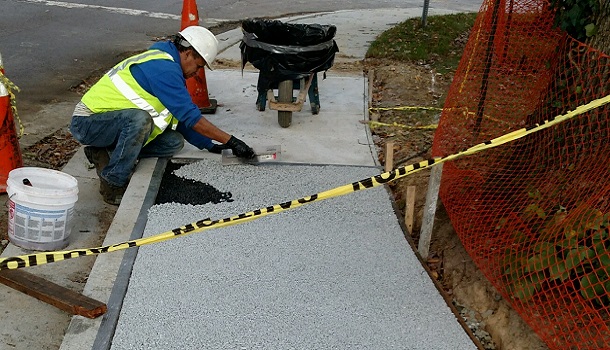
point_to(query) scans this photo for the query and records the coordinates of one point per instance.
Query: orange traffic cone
(10, 153)
(197, 85)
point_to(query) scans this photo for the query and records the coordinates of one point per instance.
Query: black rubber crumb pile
(175, 189)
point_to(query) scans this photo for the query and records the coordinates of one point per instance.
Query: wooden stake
(389, 156)
(63, 298)
(425, 235)
(410, 209)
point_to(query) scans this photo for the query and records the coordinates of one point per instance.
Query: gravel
(333, 274)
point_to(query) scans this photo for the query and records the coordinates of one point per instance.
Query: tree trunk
(601, 41)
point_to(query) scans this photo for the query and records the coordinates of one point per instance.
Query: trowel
(263, 154)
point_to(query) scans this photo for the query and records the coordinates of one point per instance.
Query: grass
(434, 44)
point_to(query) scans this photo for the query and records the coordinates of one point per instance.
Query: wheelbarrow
(284, 102)
(288, 57)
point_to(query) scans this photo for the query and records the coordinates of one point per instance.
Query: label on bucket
(38, 225)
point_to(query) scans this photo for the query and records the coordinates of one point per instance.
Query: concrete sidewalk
(334, 274)
(402, 295)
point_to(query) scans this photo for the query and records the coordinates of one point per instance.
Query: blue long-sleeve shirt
(194, 138)
(165, 80)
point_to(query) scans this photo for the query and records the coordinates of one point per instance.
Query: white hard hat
(203, 41)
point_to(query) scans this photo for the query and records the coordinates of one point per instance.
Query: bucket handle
(9, 198)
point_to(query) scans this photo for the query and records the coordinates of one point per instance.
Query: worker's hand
(216, 148)
(240, 148)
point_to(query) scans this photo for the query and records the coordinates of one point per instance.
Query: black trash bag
(279, 33)
(286, 51)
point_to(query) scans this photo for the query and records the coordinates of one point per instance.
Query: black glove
(240, 148)
(216, 148)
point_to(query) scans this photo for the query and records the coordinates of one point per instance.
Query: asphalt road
(47, 48)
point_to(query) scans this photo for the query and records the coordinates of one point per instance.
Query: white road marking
(123, 11)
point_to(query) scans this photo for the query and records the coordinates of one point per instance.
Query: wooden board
(53, 294)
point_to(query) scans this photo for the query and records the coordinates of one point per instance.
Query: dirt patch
(398, 88)
(53, 151)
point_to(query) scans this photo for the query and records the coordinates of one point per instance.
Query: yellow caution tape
(373, 124)
(374, 181)
(10, 86)
(406, 108)
(6, 82)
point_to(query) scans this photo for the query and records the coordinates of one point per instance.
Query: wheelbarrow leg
(284, 94)
(261, 86)
(261, 101)
(314, 96)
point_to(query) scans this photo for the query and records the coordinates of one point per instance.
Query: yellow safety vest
(118, 90)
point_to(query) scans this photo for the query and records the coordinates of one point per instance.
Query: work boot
(110, 193)
(98, 156)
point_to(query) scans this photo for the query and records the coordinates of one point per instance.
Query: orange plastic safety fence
(533, 214)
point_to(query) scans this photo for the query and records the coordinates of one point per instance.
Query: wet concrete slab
(334, 136)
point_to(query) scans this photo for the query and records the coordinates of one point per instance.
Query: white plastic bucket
(39, 216)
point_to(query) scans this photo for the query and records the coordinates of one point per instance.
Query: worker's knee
(166, 144)
(173, 140)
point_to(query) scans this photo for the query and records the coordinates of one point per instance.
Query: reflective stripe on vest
(118, 90)
(158, 118)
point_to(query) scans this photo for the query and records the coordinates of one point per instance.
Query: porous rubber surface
(333, 274)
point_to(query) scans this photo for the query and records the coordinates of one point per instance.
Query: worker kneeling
(142, 108)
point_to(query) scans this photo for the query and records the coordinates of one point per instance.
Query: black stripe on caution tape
(374, 181)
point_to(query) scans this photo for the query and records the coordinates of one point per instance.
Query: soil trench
(397, 85)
